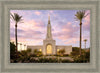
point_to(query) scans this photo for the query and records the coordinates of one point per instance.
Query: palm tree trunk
(80, 36)
(85, 45)
(16, 35)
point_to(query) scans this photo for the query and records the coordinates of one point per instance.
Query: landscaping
(26, 56)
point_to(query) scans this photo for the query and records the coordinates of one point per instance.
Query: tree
(61, 51)
(12, 50)
(79, 16)
(17, 18)
(75, 51)
(85, 42)
(29, 50)
(37, 53)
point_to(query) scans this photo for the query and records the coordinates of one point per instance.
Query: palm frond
(12, 16)
(16, 17)
(80, 15)
(86, 14)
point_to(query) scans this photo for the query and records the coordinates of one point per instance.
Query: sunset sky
(65, 29)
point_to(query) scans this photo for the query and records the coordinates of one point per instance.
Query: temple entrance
(49, 49)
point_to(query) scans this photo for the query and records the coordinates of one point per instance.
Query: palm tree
(17, 18)
(85, 42)
(79, 16)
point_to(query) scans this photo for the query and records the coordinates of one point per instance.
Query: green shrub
(66, 61)
(84, 58)
(66, 55)
(61, 52)
(12, 51)
(37, 53)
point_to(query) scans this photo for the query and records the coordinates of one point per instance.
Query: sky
(65, 28)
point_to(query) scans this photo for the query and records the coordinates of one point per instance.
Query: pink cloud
(86, 23)
(51, 11)
(24, 13)
(66, 31)
(30, 31)
(28, 41)
(87, 20)
(72, 40)
(33, 30)
(37, 12)
(31, 25)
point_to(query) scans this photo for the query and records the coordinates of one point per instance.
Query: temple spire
(49, 35)
(49, 19)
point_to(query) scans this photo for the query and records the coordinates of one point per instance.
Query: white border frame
(6, 66)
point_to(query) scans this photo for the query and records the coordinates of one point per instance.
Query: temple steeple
(49, 34)
(48, 19)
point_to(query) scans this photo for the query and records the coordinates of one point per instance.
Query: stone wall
(38, 47)
(49, 42)
(68, 49)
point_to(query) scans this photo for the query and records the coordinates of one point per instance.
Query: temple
(49, 46)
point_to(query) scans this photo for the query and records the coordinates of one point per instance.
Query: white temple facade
(21, 46)
(49, 46)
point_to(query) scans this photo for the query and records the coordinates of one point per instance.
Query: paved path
(68, 58)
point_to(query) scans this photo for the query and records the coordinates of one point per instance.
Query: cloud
(86, 23)
(31, 30)
(27, 41)
(37, 12)
(64, 29)
(72, 40)
(51, 11)
(26, 14)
